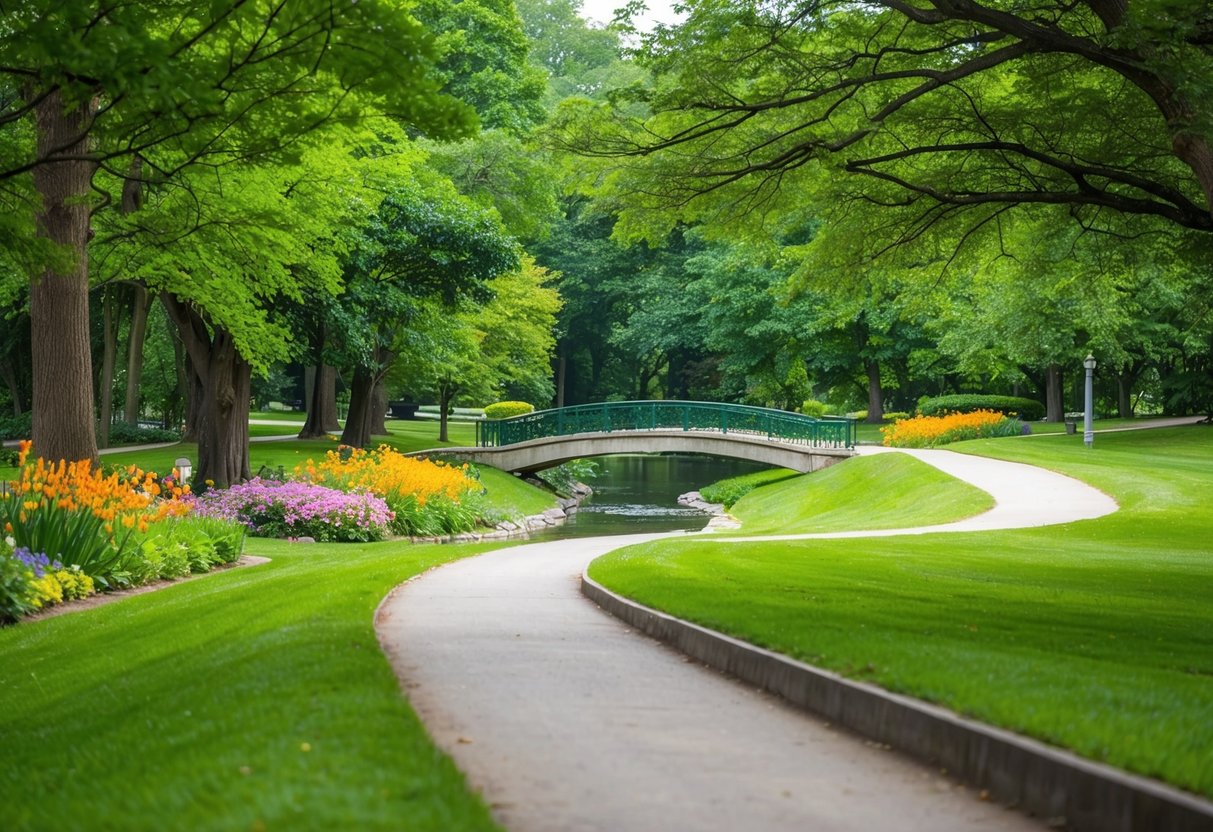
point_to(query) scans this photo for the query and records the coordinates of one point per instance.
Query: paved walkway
(566, 720)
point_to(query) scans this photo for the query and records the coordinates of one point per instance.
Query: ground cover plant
(251, 698)
(930, 431)
(1093, 636)
(728, 491)
(884, 491)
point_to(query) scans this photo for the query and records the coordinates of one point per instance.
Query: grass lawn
(249, 699)
(1095, 636)
(887, 491)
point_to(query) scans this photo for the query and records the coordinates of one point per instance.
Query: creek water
(639, 493)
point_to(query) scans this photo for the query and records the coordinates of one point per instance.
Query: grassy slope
(875, 492)
(1097, 636)
(188, 708)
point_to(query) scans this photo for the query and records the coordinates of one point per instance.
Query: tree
(937, 108)
(482, 351)
(223, 252)
(425, 241)
(195, 83)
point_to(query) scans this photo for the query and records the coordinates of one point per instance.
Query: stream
(639, 494)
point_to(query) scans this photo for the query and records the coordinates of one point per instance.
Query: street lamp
(1088, 433)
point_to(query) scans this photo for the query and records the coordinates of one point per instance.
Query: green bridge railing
(608, 417)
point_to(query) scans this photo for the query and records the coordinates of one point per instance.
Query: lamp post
(1088, 433)
(184, 469)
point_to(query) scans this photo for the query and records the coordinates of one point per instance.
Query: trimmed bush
(1027, 409)
(123, 434)
(505, 410)
(814, 408)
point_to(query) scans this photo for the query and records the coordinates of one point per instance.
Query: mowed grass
(256, 698)
(1095, 636)
(886, 491)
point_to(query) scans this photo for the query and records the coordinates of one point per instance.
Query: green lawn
(250, 699)
(886, 491)
(1096, 636)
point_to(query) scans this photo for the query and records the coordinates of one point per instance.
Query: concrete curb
(1044, 781)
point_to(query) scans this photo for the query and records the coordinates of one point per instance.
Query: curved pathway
(566, 720)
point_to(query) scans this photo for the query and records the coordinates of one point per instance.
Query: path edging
(1036, 778)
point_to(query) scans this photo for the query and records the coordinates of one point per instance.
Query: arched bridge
(540, 440)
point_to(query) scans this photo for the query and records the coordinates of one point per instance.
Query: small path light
(184, 469)
(1088, 432)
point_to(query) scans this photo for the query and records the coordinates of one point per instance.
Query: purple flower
(39, 563)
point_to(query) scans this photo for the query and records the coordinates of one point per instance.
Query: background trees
(857, 202)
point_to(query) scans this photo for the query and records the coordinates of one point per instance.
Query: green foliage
(75, 537)
(564, 478)
(504, 410)
(814, 408)
(729, 491)
(1027, 409)
(16, 427)
(18, 597)
(123, 434)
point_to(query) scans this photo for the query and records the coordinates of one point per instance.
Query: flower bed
(930, 431)
(426, 497)
(70, 530)
(268, 508)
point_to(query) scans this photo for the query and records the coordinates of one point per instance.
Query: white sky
(601, 11)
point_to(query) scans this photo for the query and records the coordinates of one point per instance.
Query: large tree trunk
(875, 394)
(1055, 410)
(134, 357)
(357, 433)
(109, 339)
(378, 409)
(322, 405)
(63, 425)
(225, 379)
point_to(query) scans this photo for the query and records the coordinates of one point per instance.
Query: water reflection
(639, 493)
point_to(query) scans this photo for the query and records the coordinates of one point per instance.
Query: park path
(564, 719)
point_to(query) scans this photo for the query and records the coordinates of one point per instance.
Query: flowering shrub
(82, 516)
(427, 498)
(298, 509)
(929, 431)
(30, 581)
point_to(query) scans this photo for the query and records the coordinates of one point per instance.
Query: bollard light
(184, 469)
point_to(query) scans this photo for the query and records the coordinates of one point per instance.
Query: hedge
(1026, 409)
(504, 410)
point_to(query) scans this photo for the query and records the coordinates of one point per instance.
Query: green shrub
(814, 408)
(123, 434)
(17, 594)
(1026, 409)
(505, 410)
(727, 492)
(16, 427)
(895, 415)
(563, 477)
